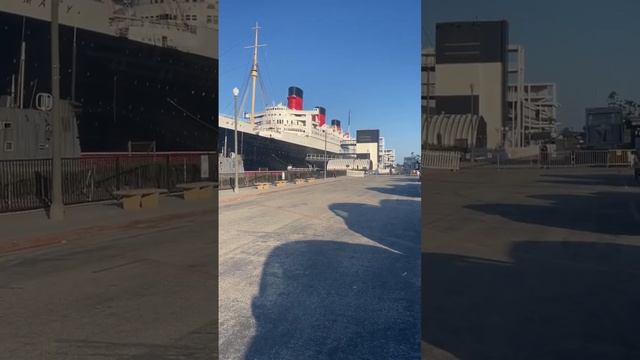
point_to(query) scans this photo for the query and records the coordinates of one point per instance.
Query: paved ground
(119, 286)
(531, 264)
(324, 271)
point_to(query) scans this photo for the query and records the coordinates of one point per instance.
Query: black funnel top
(295, 91)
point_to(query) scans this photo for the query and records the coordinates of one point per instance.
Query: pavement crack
(119, 266)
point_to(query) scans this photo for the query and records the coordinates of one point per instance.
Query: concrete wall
(371, 149)
(488, 90)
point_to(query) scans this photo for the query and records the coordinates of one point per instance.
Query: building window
(187, 17)
(7, 125)
(194, 17)
(209, 19)
(8, 146)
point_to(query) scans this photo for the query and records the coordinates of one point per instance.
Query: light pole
(56, 211)
(325, 154)
(236, 91)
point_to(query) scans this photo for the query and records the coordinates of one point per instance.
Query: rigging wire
(267, 67)
(263, 91)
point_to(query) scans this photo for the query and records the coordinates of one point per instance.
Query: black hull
(126, 90)
(259, 152)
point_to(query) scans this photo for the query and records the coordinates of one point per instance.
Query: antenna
(254, 72)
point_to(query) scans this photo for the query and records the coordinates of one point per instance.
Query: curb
(238, 198)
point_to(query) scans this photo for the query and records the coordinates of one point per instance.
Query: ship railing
(321, 157)
(124, 23)
(26, 184)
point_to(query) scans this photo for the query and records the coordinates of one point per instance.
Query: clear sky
(588, 48)
(353, 55)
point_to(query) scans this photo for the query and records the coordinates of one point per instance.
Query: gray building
(605, 128)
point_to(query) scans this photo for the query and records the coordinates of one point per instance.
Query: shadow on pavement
(620, 179)
(322, 299)
(409, 189)
(556, 300)
(615, 213)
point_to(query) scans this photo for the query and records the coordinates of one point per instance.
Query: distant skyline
(344, 55)
(587, 48)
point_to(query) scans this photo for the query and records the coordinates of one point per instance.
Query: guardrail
(443, 160)
(26, 184)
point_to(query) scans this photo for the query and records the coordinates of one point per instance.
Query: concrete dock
(329, 270)
(110, 284)
(531, 264)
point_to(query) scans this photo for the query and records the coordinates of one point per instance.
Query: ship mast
(254, 74)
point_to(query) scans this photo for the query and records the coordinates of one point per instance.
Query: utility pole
(236, 157)
(56, 211)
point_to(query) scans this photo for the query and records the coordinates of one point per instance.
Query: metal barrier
(26, 184)
(445, 160)
(251, 178)
(586, 158)
(558, 159)
(355, 173)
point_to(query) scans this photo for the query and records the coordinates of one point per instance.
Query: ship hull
(127, 91)
(259, 152)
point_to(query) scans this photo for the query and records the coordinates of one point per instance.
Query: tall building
(367, 146)
(471, 67)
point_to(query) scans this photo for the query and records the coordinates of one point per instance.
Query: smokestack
(294, 100)
(322, 116)
(336, 123)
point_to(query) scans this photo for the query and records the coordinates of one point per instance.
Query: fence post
(166, 171)
(117, 173)
(184, 168)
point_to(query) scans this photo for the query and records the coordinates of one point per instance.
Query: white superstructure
(299, 127)
(188, 26)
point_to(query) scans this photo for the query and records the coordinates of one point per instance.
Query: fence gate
(443, 160)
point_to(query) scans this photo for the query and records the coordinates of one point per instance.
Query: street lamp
(56, 211)
(236, 91)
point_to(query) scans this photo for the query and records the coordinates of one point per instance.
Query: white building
(532, 112)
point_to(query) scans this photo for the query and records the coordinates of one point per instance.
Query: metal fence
(26, 184)
(438, 159)
(555, 159)
(251, 178)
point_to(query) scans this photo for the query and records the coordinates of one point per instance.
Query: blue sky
(589, 48)
(353, 55)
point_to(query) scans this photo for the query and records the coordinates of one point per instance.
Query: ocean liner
(138, 72)
(284, 136)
